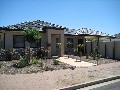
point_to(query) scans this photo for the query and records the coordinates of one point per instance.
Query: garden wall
(107, 49)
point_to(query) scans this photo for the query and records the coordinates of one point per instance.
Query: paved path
(50, 80)
(74, 63)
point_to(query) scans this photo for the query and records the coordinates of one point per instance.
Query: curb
(78, 86)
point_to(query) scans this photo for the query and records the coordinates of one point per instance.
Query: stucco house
(11, 36)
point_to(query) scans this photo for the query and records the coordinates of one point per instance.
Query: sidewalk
(50, 80)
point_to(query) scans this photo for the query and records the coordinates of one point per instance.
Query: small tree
(31, 35)
(97, 55)
(69, 45)
(80, 47)
(96, 50)
(75, 50)
(58, 45)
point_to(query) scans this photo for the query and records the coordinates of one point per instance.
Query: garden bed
(7, 67)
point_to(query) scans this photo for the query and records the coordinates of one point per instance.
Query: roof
(34, 24)
(85, 32)
(41, 25)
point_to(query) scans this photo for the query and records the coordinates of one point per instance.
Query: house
(12, 37)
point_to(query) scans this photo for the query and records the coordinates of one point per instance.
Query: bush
(22, 63)
(55, 62)
(41, 63)
(46, 68)
(34, 60)
(98, 56)
(94, 57)
(87, 56)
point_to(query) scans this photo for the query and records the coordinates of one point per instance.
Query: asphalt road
(111, 85)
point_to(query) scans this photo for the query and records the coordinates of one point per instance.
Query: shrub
(87, 56)
(22, 63)
(34, 60)
(46, 68)
(40, 63)
(14, 54)
(55, 62)
(96, 50)
(97, 58)
(75, 50)
(94, 57)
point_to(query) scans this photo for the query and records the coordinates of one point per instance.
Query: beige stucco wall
(51, 36)
(9, 39)
(50, 40)
(43, 40)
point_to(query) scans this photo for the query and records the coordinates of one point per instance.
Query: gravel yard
(7, 67)
(51, 80)
(30, 77)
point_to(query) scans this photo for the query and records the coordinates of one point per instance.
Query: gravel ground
(100, 61)
(51, 80)
(8, 68)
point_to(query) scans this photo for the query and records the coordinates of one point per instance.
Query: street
(110, 85)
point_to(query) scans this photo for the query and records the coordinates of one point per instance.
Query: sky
(99, 15)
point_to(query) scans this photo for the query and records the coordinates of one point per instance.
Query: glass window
(18, 41)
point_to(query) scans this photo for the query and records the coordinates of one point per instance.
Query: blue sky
(100, 15)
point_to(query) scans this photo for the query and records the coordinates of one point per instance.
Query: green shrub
(55, 62)
(94, 57)
(98, 56)
(34, 60)
(22, 63)
(87, 56)
(40, 62)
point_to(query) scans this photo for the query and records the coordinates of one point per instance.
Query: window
(18, 41)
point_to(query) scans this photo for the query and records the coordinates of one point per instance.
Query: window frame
(14, 36)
